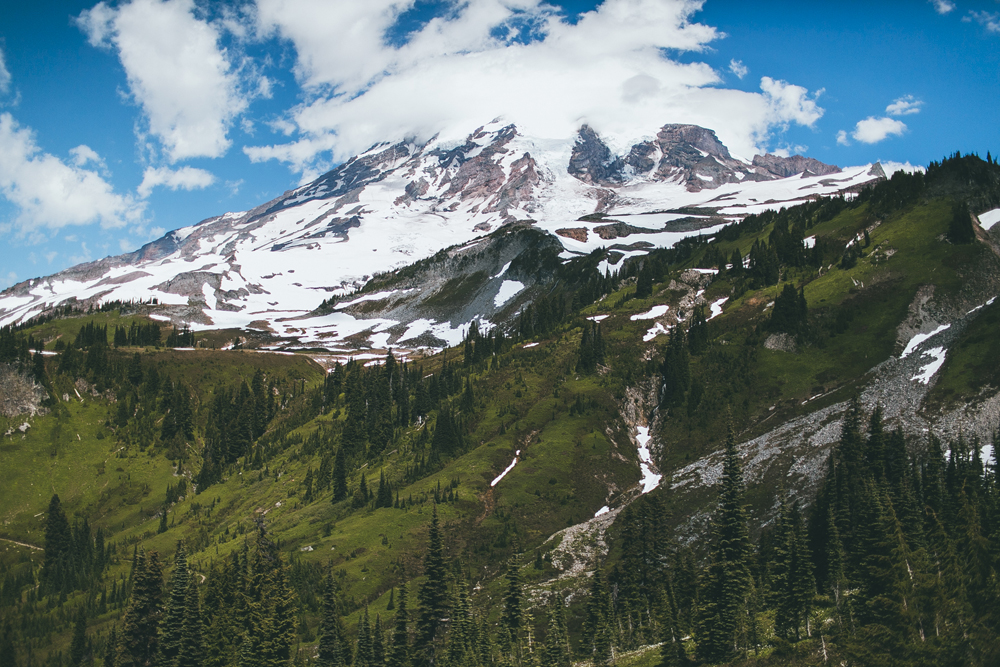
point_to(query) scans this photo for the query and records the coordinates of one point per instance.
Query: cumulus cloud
(610, 69)
(177, 72)
(5, 78)
(904, 106)
(842, 138)
(185, 178)
(83, 154)
(872, 130)
(942, 6)
(738, 68)
(989, 20)
(51, 193)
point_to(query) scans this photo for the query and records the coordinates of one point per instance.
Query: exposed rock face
(19, 393)
(687, 154)
(783, 167)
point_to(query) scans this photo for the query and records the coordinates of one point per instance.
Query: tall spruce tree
(172, 629)
(333, 649)
(728, 584)
(139, 639)
(399, 652)
(432, 600)
(192, 649)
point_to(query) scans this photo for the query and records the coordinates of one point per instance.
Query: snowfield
(387, 209)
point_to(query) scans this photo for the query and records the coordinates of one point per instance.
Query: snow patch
(603, 510)
(508, 290)
(809, 242)
(650, 479)
(928, 371)
(654, 332)
(527, 345)
(598, 318)
(716, 307)
(509, 468)
(653, 313)
(503, 270)
(990, 218)
(920, 338)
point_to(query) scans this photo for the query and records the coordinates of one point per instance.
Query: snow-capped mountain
(398, 203)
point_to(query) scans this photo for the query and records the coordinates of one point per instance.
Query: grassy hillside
(154, 447)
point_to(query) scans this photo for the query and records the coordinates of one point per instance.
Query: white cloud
(5, 78)
(609, 69)
(83, 154)
(943, 6)
(185, 178)
(842, 138)
(890, 167)
(187, 88)
(904, 106)
(989, 20)
(51, 193)
(738, 68)
(872, 130)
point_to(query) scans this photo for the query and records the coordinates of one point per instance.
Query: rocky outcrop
(687, 154)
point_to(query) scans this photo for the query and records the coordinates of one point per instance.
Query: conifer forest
(569, 487)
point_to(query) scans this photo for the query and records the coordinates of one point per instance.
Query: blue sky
(122, 120)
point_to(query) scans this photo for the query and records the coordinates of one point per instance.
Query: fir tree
(597, 622)
(191, 652)
(173, 619)
(433, 597)
(333, 648)
(363, 655)
(378, 642)
(340, 476)
(556, 652)
(139, 641)
(78, 645)
(728, 583)
(399, 652)
(57, 568)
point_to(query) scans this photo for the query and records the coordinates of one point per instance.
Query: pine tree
(78, 645)
(399, 652)
(139, 641)
(332, 633)
(57, 569)
(512, 612)
(728, 583)
(192, 648)
(171, 631)
(378, 642)
(340, 476)
(557, 650)
(597, 622)
(432, 605)
(363, 655)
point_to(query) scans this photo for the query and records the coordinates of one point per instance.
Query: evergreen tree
(697, 334)
(172, 628)
(597, 622)
(432, 605)
(960, 229)
(378, 642)
(340, 476)
(399, 652)
(728, 583)
(139, 642)
(557, 650)
(512, 612)
(793, 582)
(191, 652)
(363, 655)
(333, 648)
(57, 568)
(78, 645)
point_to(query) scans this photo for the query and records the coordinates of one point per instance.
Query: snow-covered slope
(399, 203)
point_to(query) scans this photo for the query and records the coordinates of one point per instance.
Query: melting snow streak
(928, 371)
(509, 468)
(920, 338)
(650, 480)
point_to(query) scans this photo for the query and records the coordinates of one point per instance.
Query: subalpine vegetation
(231, 508)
